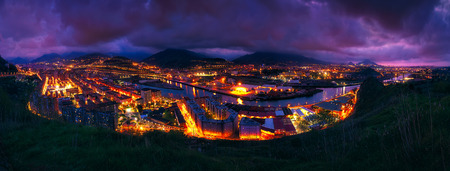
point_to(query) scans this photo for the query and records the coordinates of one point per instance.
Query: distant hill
(135, 56)
(105, 59)
(180, 58)
(272, 58)
(19, 60)
(6, 67)
(119, 61)
(73, 55)
(367, 62)
(51, 57)
(350, 63)
(87, 57)
(92, 58)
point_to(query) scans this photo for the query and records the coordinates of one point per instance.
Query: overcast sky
(396, 32)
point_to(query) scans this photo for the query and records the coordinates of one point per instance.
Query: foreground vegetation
(401, 127)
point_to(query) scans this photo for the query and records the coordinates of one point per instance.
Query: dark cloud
(396, 15)
(99, 21)
(334, 30)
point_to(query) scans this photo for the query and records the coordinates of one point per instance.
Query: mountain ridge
(180, 58)
(273, 58)
(367, 62)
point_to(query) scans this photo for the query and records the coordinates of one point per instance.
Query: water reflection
(189, 91)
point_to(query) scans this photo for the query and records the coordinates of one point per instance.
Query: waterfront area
(224, 85)
(136, 98)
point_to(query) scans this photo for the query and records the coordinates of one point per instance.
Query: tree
(169, 116)
(303, 126)
(140, 108)
(326, 117)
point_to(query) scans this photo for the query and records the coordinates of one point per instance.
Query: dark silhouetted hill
(365, 73)
(3, 61)
(73, 55)
(273, 58)
(135, 56)
(6, 67)
(51, 57)
(119, 61)
(367, 62)
(19, 60)
(180, 58)
(92, 58)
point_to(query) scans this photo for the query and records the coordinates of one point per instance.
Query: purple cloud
(335, 30)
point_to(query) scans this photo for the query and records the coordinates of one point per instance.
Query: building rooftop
(329, 106)
(248, 122)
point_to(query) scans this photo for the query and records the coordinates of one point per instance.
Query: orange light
(239, 100)
(240, 91)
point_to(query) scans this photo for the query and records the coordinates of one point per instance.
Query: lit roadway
(190, 123)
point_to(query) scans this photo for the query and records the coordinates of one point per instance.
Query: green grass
(402, 127)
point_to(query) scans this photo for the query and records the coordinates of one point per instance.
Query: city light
(240, 91)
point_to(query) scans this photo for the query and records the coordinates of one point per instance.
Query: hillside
(273, 58)
(91, 58)
(367, 62)
(3, 61)
(119, 61)
(52, 57)
(73, 55)
(399, 127)
(135, 56)
(180, 58)
(6, 67)
(365, 72)
(19, 60)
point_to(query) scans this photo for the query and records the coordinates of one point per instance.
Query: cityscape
(155, 95)
(132, 97)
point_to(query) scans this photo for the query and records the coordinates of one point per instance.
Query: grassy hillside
(402, 127)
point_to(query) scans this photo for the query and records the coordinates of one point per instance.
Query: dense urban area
(126, 96)
(212, 104)
(224, 85)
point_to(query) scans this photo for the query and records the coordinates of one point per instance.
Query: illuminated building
(180, 120)
(105, 119)
(150, 95)
(212, 127)
(68, 114)
(146, 94)
(241, 89)
(156, 95)
(339, 106)
(249, 129)
(279, 126)
(219, 111)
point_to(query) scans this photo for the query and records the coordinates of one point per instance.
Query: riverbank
(323, 86)
(308, 93)
(160, 84)
(252, 97)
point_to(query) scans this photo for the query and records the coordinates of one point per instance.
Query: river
(189, 91)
